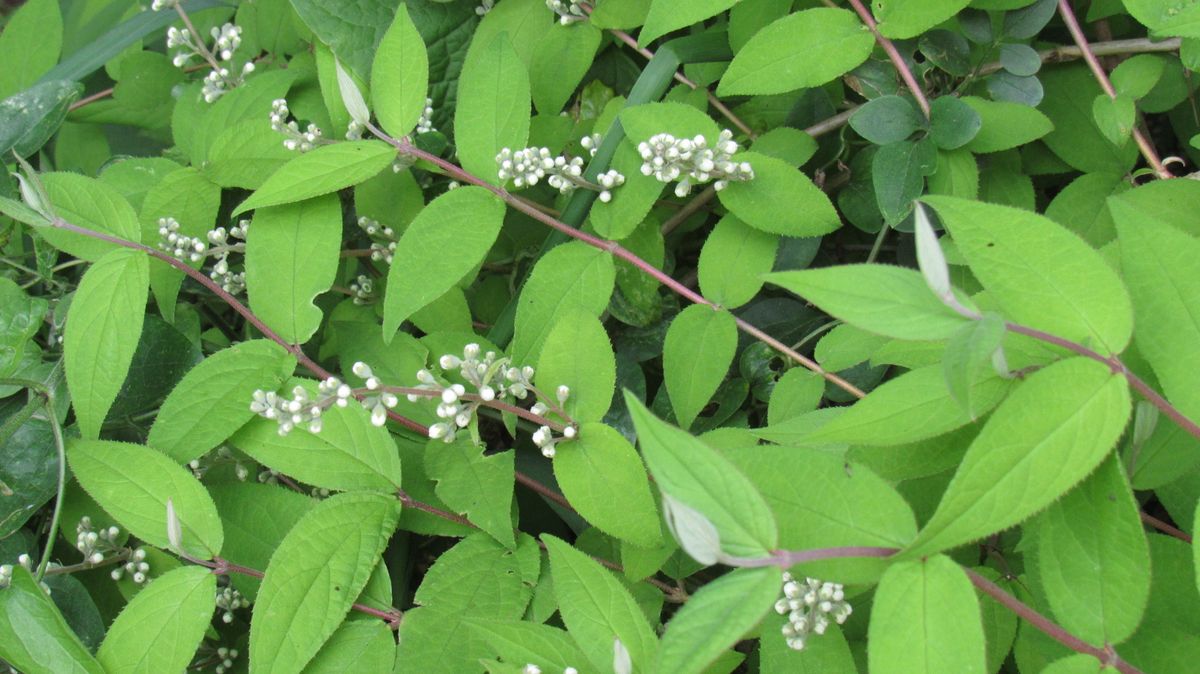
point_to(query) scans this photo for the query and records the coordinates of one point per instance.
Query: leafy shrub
(322, 352)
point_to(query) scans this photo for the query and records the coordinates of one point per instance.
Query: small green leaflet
(476, 486)
(969, 358)
(447, 239)
(561, 58)
(952, 123)
(30, 44)
(199, 133)
(1114, 117)
(493, 107)
(571, 275)
(133, 482)
(902, 19)
(886, 119)
(400, 76)
(715, 618)
(602, 475)
(697, 353)
(211, 402)
(35, 637)
(360, 646)
(926, 620)
(103, 326)
(1005, 125)
(640, 122)
(523, 641)
(314, 577)
(733, 260)
(325, 169)
(578, 354)
(835, 42)
(597, 608)
(780, 199)
(478, 576)
(668, 15)
(161, 627)
(1053, 430)
(697, 476)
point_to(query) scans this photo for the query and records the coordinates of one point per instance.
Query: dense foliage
(656, 336)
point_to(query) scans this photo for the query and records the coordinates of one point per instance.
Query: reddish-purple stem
(898, 61)
(1165, 528)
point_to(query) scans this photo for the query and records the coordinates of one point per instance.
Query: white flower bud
(379, 415)
(569, 432)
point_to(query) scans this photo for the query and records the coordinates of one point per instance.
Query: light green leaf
(103, 325)
(925, 620)
(1039, 273)
(493, 107)
(835, 42)
(256, 517)
(400, 76)
(35, 637)
(902, 19)
(571, 275)
(618, 218)
(291, 257)
(1114, 117)
(251, 101)
(522, 641)
(1136, 76)
(1093, 560)
(477, 576)
(314, 576)
(89, 203)
(325, 169)
(1005, 125)
(473, 485)
(348, 453)
(956, 174)
(193, 201)
(359, 646)
(29, 45)
(798, 391)
(620, 13)
(446, 241)
(1075, 138)
(887, 300)
(1166, 18)
(245, 154)
(1043, 439)
(597, 608)
(779, 199)
(641, 122)
(212, 400)
(733, 260)
(830, 654)
(561, 57)
(351, 29)
(694, 474)
(666, 16)
(162, 626)
(698, 350)
(599, 464)
(578, 354)
(1159, 268)
(716, 617)
(133, 482)
(968, 360)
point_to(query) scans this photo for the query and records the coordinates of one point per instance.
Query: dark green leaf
(952, 123)
(887, 119)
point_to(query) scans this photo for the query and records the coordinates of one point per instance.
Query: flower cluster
(218, 246)
(226, 40)
(568, 12)
(181, 246)
(222, 455)
(591, 143)
(425, 122)
(137, 567)
(484, 7)
(303, 409)
(294, 138)
(383, 239)
(692, 161)
(534, 669)
(6, 571)
(92, 544)
(229, 600)
(809, 606)
(363, 289)
(527, 166)
(227, 656)
(543, 437)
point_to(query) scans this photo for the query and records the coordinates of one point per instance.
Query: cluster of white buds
(222, 454)
(226, 41)
(485, 6)
(92, 544)
(379, 402)
(363, 288)
(179, 245)
(525, 167)
(809, 607)
(137, 567)
(159, 5)
(229, 600)
(303, 409)
(383, 239)
(294, 138)
(227, 655)
(6, 570)
(534, 669)
(608, 180)
(543, 437)
(221, 246)
(568, 12)
(425, 122)
(591, 143)
(354, 130)
(691, 161)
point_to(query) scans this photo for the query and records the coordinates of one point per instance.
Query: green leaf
(521, 641)
(1039, 273)
(641, 122)
(957, 174)
(103, 325)
(716, 617)
(952, 123)
(1005, 125)
(493, 107)
(245, 155)
(352, 30)
(902, 19)
(578, 354)
(733, 261)
(133, 482)
(163, 625)
(210, 403)
(256, 517)
(447, 240)
(829, 654)
(779, 199)
(666, 16)
(968, 359)
(1020, 59)
(1136, 76)
(1165, 17)
(1043, 439)
(597, 608)
(1159, 269)
(29, 45)
(593, 467)
(697, 353)
(1114, 117)
(898, 173)
(400, 76)
(291, 257)
(695, 475)
(887, 300)
(29, 118)
(326, 169)
(315, 575)
(887, 119)
(620, 217)
(88, 203)
(361, 646)
(1093, 560)
(1076, 138)
(348, 453)
(835, 42)
(35, 637)
(193, 201)
(561, 58)
(251, 101)
(479, 576)
(926, 620)
(620, 14)
(476, 486)
(571, 275)
(20, 319)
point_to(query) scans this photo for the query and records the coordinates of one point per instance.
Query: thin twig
(1165, 528)
(689, 209)
(898, 61)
